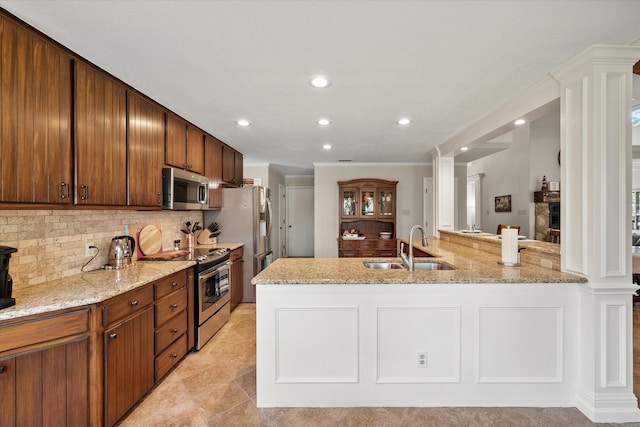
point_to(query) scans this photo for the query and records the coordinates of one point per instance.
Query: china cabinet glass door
(349, 202)
(368, 202)
(385, 201)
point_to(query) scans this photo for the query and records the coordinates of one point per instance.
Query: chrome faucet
(408, 261)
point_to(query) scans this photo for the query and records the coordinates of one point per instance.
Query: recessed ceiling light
(464, 148)
(324, 122)
(243, 122)
(519, 122)
(319, 81)
(404, 121)
(327, 146)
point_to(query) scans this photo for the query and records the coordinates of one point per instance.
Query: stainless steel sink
(431, 265)
(417, 265)
(383, 265)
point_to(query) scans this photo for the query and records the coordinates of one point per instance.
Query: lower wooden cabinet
(379, 248)
(237, 277)
(128, 364)
(45, 382)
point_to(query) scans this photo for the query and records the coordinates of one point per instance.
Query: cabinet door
(35, 118)
(46, 387)
(100, 138)
(176, 148)
(236, 277)
(146, 151)
(129, 364)
(348, 202)
(238, 163)
(213, 170)
(368, 207)
(228, 165)
(195, 150)
(386, 203)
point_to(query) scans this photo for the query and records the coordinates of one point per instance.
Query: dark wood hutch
(367, 207)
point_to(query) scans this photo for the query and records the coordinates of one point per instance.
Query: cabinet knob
(113, 336)
(134, 303)
(174, 330)
(174, 305)
(174, 284)
(174, 355)
(2, 369)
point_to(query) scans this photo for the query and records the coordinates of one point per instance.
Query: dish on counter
(353, 237)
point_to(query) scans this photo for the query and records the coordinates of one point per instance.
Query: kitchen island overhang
(421, 345)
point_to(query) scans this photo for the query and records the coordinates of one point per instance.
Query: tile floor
(200, 392)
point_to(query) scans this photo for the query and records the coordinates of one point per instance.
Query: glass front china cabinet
(367, 218)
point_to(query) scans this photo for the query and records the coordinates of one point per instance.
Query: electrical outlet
(422, 359)
(88, 249)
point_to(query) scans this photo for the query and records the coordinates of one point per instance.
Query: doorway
(299, 222)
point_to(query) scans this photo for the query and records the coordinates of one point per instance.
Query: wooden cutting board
(166, 255)
(150, 240)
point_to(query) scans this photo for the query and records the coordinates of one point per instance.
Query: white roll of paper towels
(509, 246)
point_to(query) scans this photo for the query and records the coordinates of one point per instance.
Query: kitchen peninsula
(332, 332)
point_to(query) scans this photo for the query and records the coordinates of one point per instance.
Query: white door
(299, 220)
(282, 221)
(427, 209)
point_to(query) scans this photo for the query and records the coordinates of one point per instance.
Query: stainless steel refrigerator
(245, 217)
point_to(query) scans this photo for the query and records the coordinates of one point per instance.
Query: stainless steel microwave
(184, 190)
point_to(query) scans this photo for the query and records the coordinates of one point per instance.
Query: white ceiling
(444, 64)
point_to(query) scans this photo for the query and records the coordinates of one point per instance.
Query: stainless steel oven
(212, 301)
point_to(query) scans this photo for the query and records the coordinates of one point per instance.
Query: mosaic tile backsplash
(52, 243)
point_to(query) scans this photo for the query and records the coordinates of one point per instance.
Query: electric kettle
(121, 251)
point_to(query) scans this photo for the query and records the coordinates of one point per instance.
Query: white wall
(408, 200)
(518, 171)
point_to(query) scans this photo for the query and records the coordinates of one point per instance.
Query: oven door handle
(214, 270)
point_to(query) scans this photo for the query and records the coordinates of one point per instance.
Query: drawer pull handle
(113, 336)
(134, 303)
(175, 331)
(174, 355)
(174, 305)
(174, 284)
(2, 369)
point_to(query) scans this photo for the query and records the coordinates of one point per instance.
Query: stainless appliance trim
(210, 318)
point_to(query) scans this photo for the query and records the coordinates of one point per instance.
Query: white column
(596, 222)
(444, 192)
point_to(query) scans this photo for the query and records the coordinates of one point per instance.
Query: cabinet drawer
(346, 254)
(368, 253)
(122, 305)
(369, 244)
(236, 254)
(389, 244)
(169, 284)
(170, 357)
(171, 330)
(170, 305)
(387, 253)
(19, 335)
(349, 244)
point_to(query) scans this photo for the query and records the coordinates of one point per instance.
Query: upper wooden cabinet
(368, 199)
(101, 144)
(213, 170)
(146, 127)
(35, 118)
(231, 166)
(185, 145)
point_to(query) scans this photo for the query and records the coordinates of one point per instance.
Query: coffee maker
(6, 283)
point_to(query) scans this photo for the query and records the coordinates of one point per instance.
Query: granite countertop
(471, 266)
(87, 288)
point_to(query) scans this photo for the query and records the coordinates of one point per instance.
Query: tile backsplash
(52, 243)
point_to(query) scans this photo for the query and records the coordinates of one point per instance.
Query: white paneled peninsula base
(356, 337)
(329, 345)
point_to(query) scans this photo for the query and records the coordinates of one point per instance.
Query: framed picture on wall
(503, 203)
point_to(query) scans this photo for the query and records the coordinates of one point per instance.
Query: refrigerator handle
(268, 215)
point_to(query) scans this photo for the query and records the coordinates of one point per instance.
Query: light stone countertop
(87, 288)
(471, 266)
